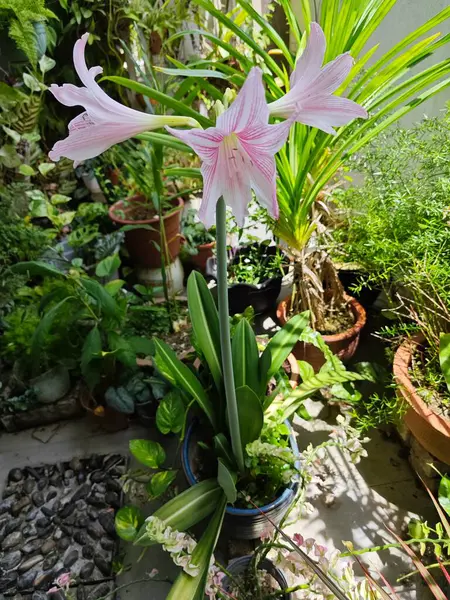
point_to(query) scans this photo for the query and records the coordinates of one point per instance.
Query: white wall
(405, 17)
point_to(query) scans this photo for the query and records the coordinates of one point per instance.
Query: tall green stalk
(225, 337)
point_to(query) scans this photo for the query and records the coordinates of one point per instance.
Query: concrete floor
(380, 491)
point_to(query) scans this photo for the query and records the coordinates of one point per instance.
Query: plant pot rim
(402, 362)
(138, 198)
(284, 497)
(265, 562)
(357, 309)
(207, 246)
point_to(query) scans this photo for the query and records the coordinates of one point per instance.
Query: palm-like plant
(311, 159)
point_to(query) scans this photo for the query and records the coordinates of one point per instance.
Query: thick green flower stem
(225, 337)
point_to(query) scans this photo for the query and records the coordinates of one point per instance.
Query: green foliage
(22, 16)
(254, 264)
(395, 224)
(150, 454)
(170, 415)
(444, 494)
(160, 482)
(195, 233)
(128, 521)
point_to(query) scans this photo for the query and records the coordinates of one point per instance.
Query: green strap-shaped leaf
(92, 348)
(36, 267)
(205, 323)
(106, 303)
(192, 588)
(185, 510)
(251, 416)
(281, 345)
(246, 357)
(444, 356)
(179, 107)
(165, 139)
(325, 378)
(227, 481)
(223, 449)
(179, 374)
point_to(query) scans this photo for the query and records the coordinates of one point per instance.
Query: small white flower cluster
(349, 439)
(214, 581)
(339, 571)
(179, 545)
(264, 450)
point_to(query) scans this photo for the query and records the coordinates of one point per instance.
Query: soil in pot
(143, 243)
(431, 429)
(343, 344)
(245, 585)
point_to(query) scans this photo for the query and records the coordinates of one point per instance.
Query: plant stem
(225, 338)
(433, 566)
(394, 545)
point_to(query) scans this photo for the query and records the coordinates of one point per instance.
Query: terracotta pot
(343, 344)
(142, 244)
(205, 251)
(431, 430)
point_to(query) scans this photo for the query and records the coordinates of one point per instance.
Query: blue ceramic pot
(243, 523)
(238, 566)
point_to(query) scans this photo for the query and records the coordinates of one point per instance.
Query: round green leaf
(45, 168)
(150, 454)
(26, 170)
(160, 482)
(129, 520)
(170, 413)
(108, 266)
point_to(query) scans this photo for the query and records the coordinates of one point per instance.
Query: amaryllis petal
(249, 108)
(310, 100)
(265, 138)
(310, 62)
(330, 111)
(239, 153)
(89, 141)
(263, 178)
(205, 142)
(332, 75)
(211, 193)
(105, 122)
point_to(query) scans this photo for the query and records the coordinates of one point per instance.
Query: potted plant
(255, 273)
(198, 242)
(244, 428)
(151, 219)
(302, 185)
(94, 317)
(395, 226)
(422, 374)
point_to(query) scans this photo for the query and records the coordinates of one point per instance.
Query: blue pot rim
(284, 498)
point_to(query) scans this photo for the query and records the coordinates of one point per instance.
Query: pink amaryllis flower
(238, 154)
(105, 122)
(310, 100)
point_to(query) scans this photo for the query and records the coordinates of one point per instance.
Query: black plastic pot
(262, 296)
(366, 295)
(242, 523)
(239, 565)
